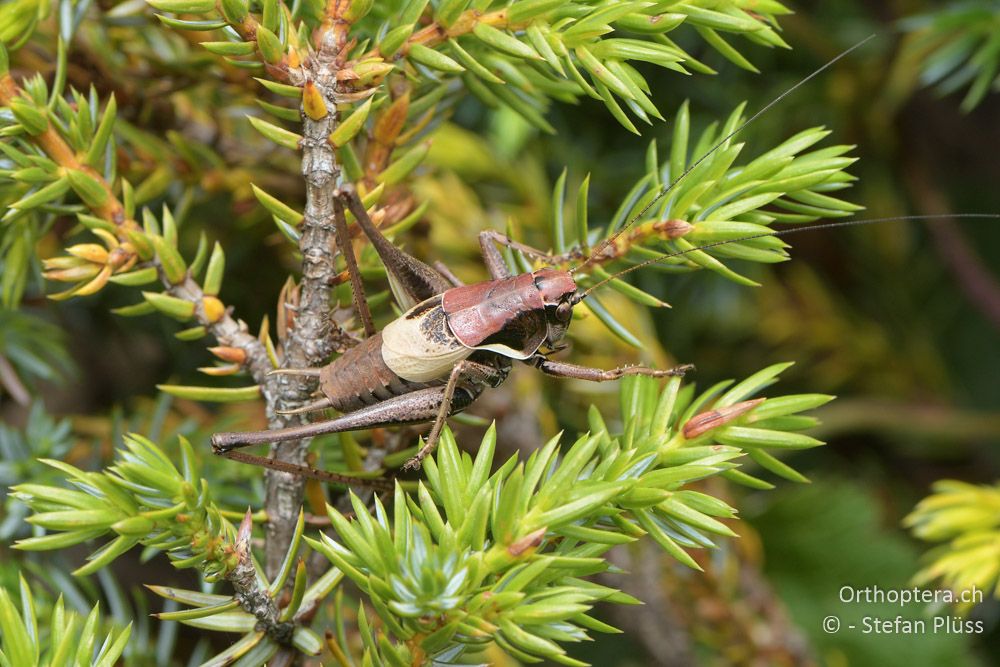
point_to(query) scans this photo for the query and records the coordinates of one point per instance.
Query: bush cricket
(454, 341)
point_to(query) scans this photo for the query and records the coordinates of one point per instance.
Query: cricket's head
(559, 294)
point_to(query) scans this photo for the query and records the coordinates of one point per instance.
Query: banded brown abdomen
(360, 377)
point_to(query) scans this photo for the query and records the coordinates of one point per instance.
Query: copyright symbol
(831, 624)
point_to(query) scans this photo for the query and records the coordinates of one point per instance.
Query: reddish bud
(529, 541)
(706, 421)
(390, 121)
(673, 229)
(233, 355)
(244, 534)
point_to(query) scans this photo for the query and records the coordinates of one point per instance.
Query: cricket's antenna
(787, 232)
(611, 239)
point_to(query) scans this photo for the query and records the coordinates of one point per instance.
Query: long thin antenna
(786, 232)
(608, 241)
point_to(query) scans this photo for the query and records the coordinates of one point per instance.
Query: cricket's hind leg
(435, 404)
(411, 280)
(347, 250)
(416, 407)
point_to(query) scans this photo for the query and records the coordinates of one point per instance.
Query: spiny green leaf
(183, 6)
(235, 11)
(215, 271)
(171, 261)
(522, 11)
(212, 394)
(769, 462)
(230, 48)
(270, 46)
(33, 119)
(725, 48)
(278, 135)
(749, 437)
(504, 42)
(136, 278)
(282, 89)
(43, 195)
(449, 10)
(290, 555)
(169, 305)
(472, 64)
(611, 323)
(650, 24)
(95, 155)
(434, 59)
(18, 648)
(135, 310)
(277, 208)
(349, 127)
(194, 26)
(87, 187)
(394, 39)
(197, 612)
(406, 163)
(357, 10)
(194, 333)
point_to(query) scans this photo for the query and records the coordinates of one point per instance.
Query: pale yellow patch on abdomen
(413, 355)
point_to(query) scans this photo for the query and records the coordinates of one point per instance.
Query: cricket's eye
(564, 311)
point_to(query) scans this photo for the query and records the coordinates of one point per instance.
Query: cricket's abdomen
(360, 377)
(419, 346)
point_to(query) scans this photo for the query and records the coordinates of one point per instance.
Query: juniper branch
(311, 341)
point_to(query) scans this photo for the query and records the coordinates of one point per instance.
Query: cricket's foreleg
(413, 408)
(408, 274)
(564, 370)
(347, 250)
(467, 371)
(379, 484)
